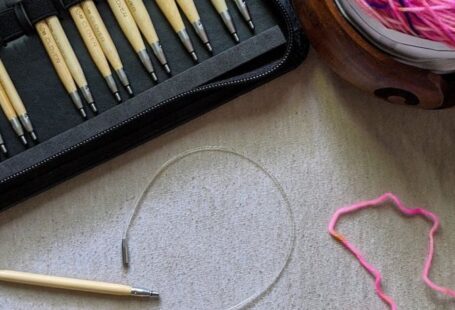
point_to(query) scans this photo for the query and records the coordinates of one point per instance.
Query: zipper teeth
(198, 89)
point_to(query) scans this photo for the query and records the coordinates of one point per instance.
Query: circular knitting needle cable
(292, 230)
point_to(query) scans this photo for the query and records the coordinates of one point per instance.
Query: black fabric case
(70, 146)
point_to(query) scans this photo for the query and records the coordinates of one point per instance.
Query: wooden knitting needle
(94, 48)
(71, 60)
(106, 42)
(16, 101)
(11, 115)
(222, 9)
(243, 8)
(171, 11)
(129, 28)
(145, 24)
(59, 64)
(74, 284)
(189, 9)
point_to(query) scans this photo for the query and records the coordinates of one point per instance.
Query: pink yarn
(429, 19)
(379, 202)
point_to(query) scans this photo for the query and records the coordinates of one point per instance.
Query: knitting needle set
(142, 34)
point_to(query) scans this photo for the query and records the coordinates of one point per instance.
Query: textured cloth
(213, 230)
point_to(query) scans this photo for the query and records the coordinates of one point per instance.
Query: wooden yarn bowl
(356, 60)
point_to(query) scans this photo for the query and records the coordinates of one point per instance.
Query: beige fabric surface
(213, 230)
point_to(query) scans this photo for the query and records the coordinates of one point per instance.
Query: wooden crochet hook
(74, 284)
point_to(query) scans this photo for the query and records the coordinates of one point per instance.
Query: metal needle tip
(154, 76)
(83, 113)
(154, 295)
(209, 47)
(118, 97)
(236, 37)
(141, 292)
(193, 54)
(167, 68)
(34, 136)
(251, 24)
(94, 108)
(4, 149)
(129, 90)
(24, 140)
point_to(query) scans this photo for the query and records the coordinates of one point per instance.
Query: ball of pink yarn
(429, 19)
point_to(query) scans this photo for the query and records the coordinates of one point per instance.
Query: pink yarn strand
(380, 202)
(429, 19)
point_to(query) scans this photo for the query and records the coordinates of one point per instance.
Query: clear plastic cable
(292, 230)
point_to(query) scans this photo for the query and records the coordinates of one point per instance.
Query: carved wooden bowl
(358, 61)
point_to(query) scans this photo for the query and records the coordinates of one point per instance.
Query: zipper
(215, 85)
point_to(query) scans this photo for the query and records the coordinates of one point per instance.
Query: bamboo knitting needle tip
(202, 34)
(209, 47)
(243, 8)
(28, 126)
(172, 14)
(87, 94)
(236, 37)
(3, 147)
(77, 101)
(118, 97)
(83, 113)
(186, 41)
(110, 81)
(194, 56)
(94, 108)
(167, 68)
(24, 140)
(16, 101)
(11, 115)
(159, 53)
(227, 19)
(34, 136)
(200, 30)
(251, 25)
(147, 62)
(154, 76)
(18, 129)
(190, 10)
(223, 10)
(140, 292)
(121, 74)
(129, 90)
